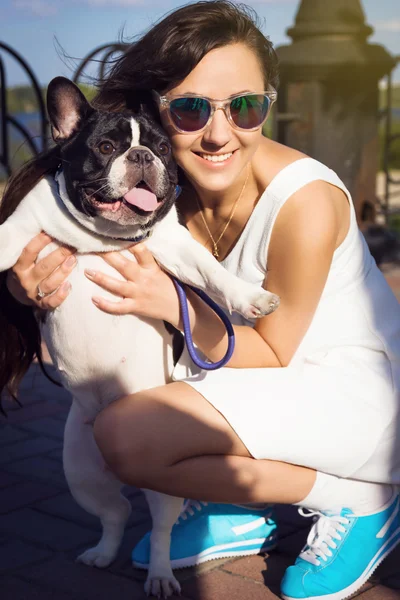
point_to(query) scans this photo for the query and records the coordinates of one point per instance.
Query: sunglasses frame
(224, 104)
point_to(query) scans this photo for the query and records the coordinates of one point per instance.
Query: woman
(311, 390)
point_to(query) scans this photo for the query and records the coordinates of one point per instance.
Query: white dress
(335, 408)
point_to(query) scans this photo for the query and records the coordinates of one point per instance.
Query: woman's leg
(171, 440)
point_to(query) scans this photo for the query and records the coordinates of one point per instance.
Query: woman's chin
(214, 180)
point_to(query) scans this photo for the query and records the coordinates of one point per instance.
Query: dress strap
(298, 174)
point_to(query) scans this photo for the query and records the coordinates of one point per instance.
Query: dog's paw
(162, 587)
(257, 304)
(95, 557)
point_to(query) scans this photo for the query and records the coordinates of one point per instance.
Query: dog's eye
(163, 148)
(106, 148)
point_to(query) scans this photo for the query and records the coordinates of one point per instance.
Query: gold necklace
(216, 242)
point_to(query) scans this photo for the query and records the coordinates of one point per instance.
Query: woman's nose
(219, 131)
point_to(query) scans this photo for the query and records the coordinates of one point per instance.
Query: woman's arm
(300, 253)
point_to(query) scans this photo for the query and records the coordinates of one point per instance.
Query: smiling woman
(325, 361)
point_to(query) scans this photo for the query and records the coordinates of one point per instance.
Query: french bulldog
(116, 186)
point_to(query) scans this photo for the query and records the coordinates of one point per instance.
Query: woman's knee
(120, 432)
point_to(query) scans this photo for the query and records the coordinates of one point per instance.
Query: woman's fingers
(48, 273)
(143, 255)
(128, 268)
(57, 277)
(31, 251)
(47, 265)
(124, 307)
(53, 301)
(115, 286)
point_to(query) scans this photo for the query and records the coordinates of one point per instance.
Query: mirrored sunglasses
(191, 114)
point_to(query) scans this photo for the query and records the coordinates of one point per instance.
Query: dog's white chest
(103, 357)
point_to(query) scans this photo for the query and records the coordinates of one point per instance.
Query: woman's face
(221, 73)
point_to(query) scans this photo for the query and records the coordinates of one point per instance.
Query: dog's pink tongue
(142, 198)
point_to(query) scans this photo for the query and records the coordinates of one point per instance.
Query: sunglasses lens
(190, 114)
(248, 112)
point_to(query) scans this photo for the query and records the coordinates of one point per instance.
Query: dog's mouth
(141, 199)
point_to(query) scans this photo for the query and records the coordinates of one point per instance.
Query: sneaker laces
(322, 536)
(188, 509)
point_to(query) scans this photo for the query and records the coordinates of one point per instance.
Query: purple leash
(208, 366)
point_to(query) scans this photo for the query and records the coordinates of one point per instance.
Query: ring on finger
(40, 294)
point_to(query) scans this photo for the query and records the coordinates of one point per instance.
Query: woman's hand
(49, 274)
(147, 290)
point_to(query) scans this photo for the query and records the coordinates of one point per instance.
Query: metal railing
(101, 55)
(6, 119)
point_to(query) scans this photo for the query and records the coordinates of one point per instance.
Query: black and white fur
(102, 357)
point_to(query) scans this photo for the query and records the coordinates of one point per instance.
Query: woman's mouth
(215, 160)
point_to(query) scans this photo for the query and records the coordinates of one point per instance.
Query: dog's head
(118, 167)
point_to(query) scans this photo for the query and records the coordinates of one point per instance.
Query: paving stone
(379, 592)
(219, 585)
(8, 479)
(13, 588)
(87, 582)
(53, 393)
(56, 455)
(48, 426)
(36, 411)
(62, 414)
(36, 527)
(251, 567)
(123, 562)
(11, 435)
(23, 494)
(138, 502)
(66, 507)
(390, 566)
(40, 468)
(199, 570)
(28, 448)
(393, 581)
(14, 554)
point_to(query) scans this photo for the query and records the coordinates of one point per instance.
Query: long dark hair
(159, 60)
(171, 49)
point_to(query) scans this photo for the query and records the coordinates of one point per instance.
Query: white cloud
(41, 8)
(392, 25)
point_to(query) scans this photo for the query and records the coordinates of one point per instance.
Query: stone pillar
(328, 95)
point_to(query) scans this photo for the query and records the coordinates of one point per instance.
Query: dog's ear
(67, 107)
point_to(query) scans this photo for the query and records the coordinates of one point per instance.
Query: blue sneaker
(341, 553)
(205, 531)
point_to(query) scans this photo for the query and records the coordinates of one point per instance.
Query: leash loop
(207, 366)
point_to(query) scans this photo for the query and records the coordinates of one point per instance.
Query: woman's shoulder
(271, 158)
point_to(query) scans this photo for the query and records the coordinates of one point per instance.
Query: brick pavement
(42, 529)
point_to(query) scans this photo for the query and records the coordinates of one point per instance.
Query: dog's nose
(140, 156)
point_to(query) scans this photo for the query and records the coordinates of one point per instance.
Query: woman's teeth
(215, 157)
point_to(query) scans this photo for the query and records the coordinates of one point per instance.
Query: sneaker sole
(198, 559)
(355, 586)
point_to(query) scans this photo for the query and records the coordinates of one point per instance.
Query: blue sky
(29, 26)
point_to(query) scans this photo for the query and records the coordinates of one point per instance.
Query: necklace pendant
(215, 251)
